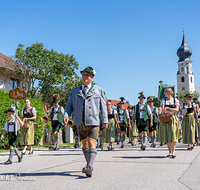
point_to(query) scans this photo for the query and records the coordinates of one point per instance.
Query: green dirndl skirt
(168, 132)
(110, 131)
(27, 135)
(188, 129)
(133, 130)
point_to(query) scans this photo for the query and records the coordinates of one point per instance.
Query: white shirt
(167, 103)
(11, 127)
(115, 112)
(33, 111)
(121, 117)
(141, 106)
(88, 87)
(194, 105)
(55, 115)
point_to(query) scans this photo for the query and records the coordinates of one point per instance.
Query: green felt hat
(10, 110)
(188, 95)
(149, 99)
(55, 98)
(141, 95)
(89, 70)
(122, 100)
(129, 107)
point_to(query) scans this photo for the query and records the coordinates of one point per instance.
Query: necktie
(84, 90)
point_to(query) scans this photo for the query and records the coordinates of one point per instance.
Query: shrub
(6, 103)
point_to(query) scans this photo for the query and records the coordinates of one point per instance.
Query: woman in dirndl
(27, 134)
(188, 123)
(168, 132)
(112, 121)
(133, 129)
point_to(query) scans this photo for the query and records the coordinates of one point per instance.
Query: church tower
(185, 75)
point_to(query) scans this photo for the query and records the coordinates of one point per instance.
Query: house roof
(115, 102)
(8, 63)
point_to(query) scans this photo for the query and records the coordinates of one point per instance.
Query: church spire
(184, 51)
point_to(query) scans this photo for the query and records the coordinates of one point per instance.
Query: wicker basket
(36, 126)
(165, 117)
(26, 125)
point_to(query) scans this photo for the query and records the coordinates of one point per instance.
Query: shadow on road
(47, 174)
(139, 157)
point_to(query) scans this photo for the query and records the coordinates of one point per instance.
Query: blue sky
(131, 44)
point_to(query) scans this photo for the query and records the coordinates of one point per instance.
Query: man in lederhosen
(85, 102)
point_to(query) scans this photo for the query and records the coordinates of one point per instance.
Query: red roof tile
(114, 103)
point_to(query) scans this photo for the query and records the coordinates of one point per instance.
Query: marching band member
(124, 120)
(167, 132)
(152, 130)
(27, 136)
(141, 114)
(57, 113)
(11, 126)
(75, 131)
(86, 101)
(188, 123)
(112, 121)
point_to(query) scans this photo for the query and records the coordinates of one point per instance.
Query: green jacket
(60, 116)
(124, 113)
(155, 117)
(145, 113)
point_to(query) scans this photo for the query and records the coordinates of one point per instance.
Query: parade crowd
(96, 120)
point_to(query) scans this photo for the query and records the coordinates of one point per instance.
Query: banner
(161, 90)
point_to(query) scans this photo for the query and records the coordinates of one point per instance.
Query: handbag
(165, 117)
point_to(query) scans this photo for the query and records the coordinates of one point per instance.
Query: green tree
(53, 70)
(194, 94)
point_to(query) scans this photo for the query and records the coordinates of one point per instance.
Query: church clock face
(182, 69)
(183, 88)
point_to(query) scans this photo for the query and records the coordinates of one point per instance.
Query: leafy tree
(194, 94)
(53, 70)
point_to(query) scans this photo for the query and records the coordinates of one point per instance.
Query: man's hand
(151, 124)
(65, 121)
(104, 126)
(1, 137)
(129, 125)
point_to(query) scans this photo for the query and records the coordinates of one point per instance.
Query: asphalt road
(127, 168)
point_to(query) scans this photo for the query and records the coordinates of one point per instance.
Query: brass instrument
(46, 119)
(70, 123)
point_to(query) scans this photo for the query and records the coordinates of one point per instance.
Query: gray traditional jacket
(94, 102)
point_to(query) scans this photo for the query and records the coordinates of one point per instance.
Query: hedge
(6, 103)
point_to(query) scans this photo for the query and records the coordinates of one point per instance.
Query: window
(182, 79)
(182, 69)
(183, 88)
(13, 83)
(191, 79)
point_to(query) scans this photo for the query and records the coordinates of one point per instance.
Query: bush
(6, 103)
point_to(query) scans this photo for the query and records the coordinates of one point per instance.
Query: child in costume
(12, 126)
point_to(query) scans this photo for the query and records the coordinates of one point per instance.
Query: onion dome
(184, 51)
